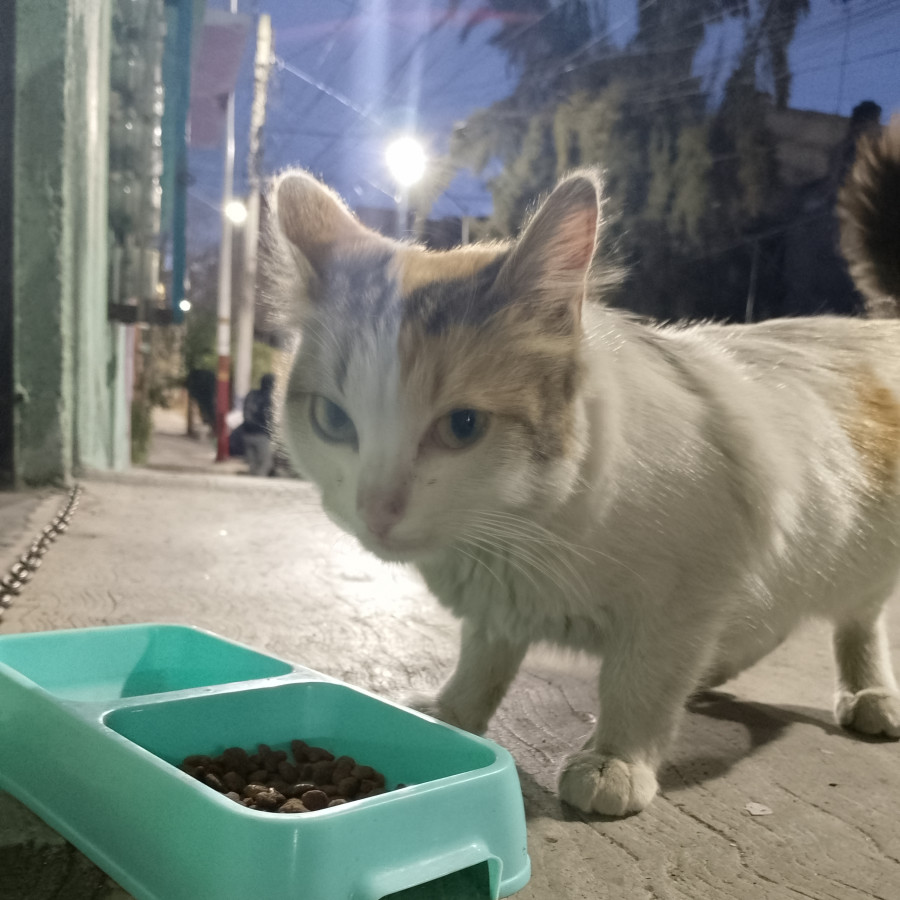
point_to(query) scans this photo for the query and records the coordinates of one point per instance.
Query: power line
(340, 26)
(341, 98)
(394, 77)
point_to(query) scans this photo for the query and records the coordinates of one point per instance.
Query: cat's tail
(869, 212)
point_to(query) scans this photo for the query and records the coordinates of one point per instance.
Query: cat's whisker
(542, 557)
(476, 559)
(510, 558)
(536, 535)
(522, 527)
(529, 525)
(557, 569)
(546, 541)
(510, 554)
(527, 530)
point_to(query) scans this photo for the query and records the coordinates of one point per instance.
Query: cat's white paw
(432, 706)
(597, 783)
(872, 711)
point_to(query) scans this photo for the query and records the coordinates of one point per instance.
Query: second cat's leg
(645, 679)
(484, 671)
(867, 698)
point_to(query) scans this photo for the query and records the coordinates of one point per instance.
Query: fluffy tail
(869, 212)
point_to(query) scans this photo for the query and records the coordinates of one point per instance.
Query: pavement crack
(741, 855)
(605, 834)
(853, 887)
(851, 825)
(525, 743)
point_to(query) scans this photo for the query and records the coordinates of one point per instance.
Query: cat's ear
(316, 221)
(551, 259)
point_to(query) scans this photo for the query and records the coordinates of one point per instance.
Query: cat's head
(434, 393)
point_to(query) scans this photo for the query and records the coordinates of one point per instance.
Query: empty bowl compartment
(103, 664)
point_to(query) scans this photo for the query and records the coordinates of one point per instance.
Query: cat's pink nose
(381, 510)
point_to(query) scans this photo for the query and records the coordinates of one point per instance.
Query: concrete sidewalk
(257, 561)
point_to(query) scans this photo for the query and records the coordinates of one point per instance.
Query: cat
(673, 499)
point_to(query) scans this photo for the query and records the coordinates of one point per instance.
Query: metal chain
(21, 571)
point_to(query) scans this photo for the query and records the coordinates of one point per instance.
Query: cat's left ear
(551, 259)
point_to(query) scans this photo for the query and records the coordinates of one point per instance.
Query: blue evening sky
(354, 72)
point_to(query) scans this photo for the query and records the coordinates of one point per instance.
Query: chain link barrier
(22, 571)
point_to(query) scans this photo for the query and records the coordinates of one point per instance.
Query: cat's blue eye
(460, 428)
(330, 422)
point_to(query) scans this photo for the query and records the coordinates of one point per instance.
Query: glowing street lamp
(406, 160)
(236, 211)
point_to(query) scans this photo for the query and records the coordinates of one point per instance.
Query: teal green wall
(68, 360)
(41, 291)
(101, 422)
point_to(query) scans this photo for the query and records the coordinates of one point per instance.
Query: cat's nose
(381, 510)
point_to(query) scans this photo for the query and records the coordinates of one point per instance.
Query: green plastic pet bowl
(93, 723)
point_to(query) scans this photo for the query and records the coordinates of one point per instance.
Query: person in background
(257, 428)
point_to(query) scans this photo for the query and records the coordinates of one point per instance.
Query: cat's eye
(330, 422)
(460, 428)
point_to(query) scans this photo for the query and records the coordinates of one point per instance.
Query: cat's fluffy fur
(673, 499)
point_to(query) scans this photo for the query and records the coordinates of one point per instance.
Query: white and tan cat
(673, 499)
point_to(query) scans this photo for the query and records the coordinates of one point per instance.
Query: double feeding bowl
(94, 723)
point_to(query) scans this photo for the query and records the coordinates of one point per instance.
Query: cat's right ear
(315, 220)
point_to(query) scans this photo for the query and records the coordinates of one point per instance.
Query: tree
(687, 173)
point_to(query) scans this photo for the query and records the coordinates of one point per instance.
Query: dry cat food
(270, 781)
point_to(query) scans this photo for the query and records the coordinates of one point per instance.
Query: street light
(236, 211)
(406, 161)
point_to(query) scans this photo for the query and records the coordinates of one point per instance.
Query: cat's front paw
(433, 706)
(597, 783)
(872, 711)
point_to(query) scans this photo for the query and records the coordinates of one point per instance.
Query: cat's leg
(484, 671)
(867, 700)
(645, 680)
(741, 646)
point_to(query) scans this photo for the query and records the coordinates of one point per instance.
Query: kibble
(269, 799)
(252, 789)
(270, 781)
(214, 782)
(347, 787)
(233, 782)
(315, 799)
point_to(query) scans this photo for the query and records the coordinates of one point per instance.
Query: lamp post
(246, 305)
(223, 303)
(406, 161)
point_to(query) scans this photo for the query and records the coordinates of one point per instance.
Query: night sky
(382, 66)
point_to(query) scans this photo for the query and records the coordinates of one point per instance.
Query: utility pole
(223, 331)
(247, 299)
